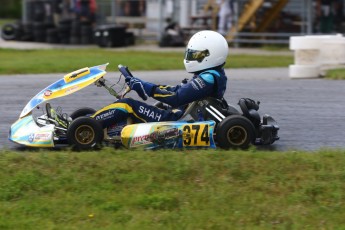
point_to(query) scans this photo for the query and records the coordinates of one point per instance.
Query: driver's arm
(196, 89)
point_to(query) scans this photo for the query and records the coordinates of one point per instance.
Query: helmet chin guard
(205, 49)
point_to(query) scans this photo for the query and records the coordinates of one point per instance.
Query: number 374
(196, 135)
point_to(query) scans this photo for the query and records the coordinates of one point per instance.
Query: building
(253, 21)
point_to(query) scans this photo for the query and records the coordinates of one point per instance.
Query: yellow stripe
(124, 106)
(73, 87)
(164, 86)
(163, 95)
(79, 73)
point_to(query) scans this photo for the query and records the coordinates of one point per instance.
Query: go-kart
(205, 124)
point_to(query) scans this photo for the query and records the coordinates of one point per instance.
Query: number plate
(196, 135)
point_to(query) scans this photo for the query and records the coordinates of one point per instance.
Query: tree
(11, 8)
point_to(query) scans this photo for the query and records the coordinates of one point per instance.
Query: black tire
(39, 26)
(86, 35)
(11, 32)
(27, 32)
(86, 30)
(37, 11)
(40, 36)
(39, 32)
(52, 36)
(65, 22)
(82, 112)
(130, 39)
(64, 40)
(75, 29)
(74, 40)
(86, 40)
(85, 133)
(236, 132)
(64, 33)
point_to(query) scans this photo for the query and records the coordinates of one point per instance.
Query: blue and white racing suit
(207, 83)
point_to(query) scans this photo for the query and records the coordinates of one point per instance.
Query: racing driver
(205, 56)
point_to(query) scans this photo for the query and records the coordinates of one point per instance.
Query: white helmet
(205, 49)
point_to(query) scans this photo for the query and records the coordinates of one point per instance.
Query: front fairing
(71, 83)
(26, 132)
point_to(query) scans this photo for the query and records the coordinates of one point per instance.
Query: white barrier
(313, 54)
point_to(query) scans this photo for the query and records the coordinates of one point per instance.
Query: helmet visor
(196, 55)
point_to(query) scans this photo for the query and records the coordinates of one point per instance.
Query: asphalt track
(310, 112)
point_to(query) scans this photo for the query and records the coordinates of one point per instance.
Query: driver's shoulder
(209, 75)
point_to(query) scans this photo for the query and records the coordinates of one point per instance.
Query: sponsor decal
(36, 137)
(42, 136)
(31, 137)
(157, 136)
(105, 115)
(142, 140)
(48, 93)
(72, 89)
(150, 113)
(194, 85)
(196, 135)
(169, 133)
(200, 82)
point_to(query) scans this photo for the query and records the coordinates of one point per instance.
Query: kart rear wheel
(236, 132)
(85, 133)
(82, 112)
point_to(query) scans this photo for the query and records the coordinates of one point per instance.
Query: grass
(66, 60)
(335, 74)
(187, 189)
(4, 21)
(276, 47)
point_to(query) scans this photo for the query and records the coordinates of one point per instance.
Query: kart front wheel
(85, 133)
(85, 111)
(235, 132)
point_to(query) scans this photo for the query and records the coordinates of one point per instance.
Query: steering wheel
(125, 71)
(243, 106)
(128, 75)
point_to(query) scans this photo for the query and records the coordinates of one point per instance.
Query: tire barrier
(314, 54)
(86, 34)
(42, 25)
(75, 32)
(11, 31)
(113, 36)
(37, 11)
(64, 30)
(53, 36)
(69, 32)
(27, 34)
(39, 31)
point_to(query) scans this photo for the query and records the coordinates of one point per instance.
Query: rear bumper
(268, 131)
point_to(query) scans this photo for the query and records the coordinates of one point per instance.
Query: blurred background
(110, 23)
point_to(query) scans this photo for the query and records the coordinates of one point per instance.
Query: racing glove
(142, 88)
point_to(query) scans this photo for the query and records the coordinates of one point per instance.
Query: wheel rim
(85, 134)
(237, 135)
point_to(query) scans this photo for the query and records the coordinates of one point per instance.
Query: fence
(147, 18)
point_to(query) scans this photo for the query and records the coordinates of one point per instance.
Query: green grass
(67, 60)
(121, 189)
(276, 47)
(335, 74)
(4, 21)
